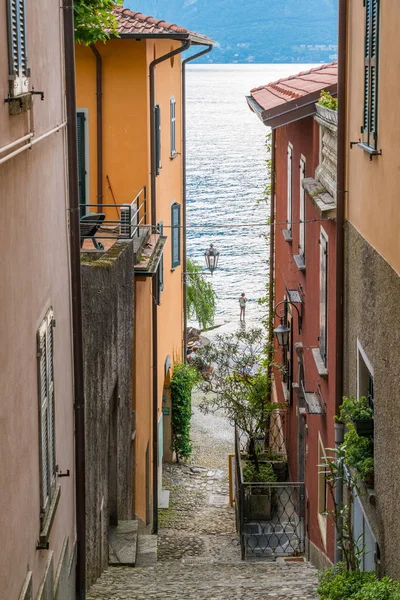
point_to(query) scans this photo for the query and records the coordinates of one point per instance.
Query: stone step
(122, 544)
(146, 550)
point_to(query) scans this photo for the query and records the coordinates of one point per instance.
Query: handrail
(33, 142)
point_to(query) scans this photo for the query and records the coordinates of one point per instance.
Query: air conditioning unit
(125, 228)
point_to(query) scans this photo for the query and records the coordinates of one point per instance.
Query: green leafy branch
(95, 20)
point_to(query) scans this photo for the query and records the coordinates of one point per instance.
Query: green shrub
(327, 101)
(359, 452)
(265, 473)
(354, 409)
(338, 584)
(386, 589)
(182, 381)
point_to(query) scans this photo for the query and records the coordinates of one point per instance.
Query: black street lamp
(282, 331)
(211, 255)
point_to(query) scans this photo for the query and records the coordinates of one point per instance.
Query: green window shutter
(370, 119)
(160, 228)
(80, 120)
(17, 47)
(323, 302)
(157, 127)
(176, 235)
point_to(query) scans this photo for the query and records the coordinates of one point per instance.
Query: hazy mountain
(259, 31)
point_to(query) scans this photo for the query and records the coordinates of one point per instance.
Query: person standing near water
(242, 304)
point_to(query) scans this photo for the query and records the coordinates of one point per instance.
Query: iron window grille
(19, 71)
(369, 127)
(323, 298)
(302, 227)
(45, 352)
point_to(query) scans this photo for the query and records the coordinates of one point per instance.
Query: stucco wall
(34, 276)
(372, 200)
(372, 317)
(108, 302)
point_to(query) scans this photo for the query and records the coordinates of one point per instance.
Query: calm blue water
(226, 174)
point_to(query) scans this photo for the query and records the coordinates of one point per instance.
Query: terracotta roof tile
(135, 23)
(296, 86)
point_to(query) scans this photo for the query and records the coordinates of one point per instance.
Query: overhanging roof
(138, 26)
(292, 98)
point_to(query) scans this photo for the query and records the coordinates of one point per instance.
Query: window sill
(319, 363)
(369, 150)
(175, 155)
(299, 260)
(48, 519)
(287, 234)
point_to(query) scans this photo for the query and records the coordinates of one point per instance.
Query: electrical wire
(235, 225)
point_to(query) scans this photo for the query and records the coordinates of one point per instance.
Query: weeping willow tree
(94, 20)
(200, 296)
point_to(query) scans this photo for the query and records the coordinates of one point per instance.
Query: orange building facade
(129, 104)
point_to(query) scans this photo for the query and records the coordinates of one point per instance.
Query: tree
(200, 295)
(94, 20)
(239, 384)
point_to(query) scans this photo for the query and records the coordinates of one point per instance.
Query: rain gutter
(340, 196)
(76, 300)
(99, 116)
(184, 195)
(152, 68)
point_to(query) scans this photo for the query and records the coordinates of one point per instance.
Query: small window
(45, 347)
(365, 376)
(176, 235)
(323, 298)
(369, 127)
(172, 109)
(17, 48)
(302, 228)
(157, 126)
(289, 187)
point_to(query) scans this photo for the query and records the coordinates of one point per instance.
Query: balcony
(102, 234)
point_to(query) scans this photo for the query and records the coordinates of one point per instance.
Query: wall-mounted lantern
(211, 255)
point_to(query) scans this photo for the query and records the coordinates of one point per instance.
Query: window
(371, 51)
(17, 48)
(322, 490)
(45, 345)
(323, 297)
(175, 235)
(172, 116)
(160, 270)
(289, 188)
(81, 137)
(365, 376)
(302, 228)
(157, 126)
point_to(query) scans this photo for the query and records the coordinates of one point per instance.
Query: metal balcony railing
(129, 218)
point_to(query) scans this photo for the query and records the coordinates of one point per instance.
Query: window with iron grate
(19, 72)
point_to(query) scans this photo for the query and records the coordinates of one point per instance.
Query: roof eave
(197, 40)
(255, 107)
(296, 109)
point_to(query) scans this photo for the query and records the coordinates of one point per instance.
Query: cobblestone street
(198, 549)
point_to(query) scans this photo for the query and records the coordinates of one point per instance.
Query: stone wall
(372, 317)
(108, 311)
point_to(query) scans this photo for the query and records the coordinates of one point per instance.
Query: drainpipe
(208, 48)
(185, 45)
(271, 263)
(99, 110)
(341, 182)
(76, 300)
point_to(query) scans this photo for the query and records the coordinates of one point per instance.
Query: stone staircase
(131, 545)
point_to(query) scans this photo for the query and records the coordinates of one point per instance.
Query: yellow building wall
(373, 186)
(126, 161)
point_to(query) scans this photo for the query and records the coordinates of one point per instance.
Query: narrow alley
(198, 555)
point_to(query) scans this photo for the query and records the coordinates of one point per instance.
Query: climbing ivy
(182, 381)
(94, 20)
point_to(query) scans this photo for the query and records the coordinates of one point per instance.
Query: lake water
(226, 177)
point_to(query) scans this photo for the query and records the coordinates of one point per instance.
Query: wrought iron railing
(95, 225)
(269, 515)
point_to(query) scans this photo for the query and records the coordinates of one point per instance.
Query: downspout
(99, 116)
(341, 182)
(185, 45)
(76, 300)
(184, 62)
(271, 264)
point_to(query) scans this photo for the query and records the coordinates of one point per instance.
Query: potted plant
(359, 451)
(359, 413)
(278, 463)
(258, 504)
(327, 107)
